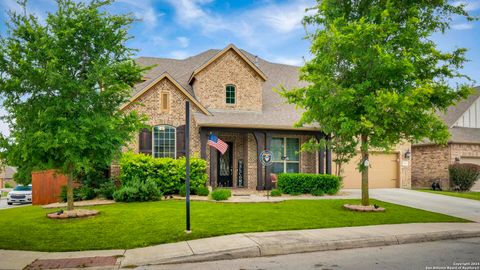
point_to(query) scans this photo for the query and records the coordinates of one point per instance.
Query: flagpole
(187, 163)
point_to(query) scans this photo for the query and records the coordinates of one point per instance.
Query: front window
(285, 155)
(164, 141)
(230, 94)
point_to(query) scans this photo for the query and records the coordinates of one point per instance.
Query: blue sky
(270, 29)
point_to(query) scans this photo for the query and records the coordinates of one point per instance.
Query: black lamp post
(187, 163)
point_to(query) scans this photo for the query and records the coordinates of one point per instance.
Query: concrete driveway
(453, 206)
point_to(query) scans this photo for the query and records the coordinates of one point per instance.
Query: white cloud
(158, 41)
(288, 61)
(189, 10)
(462, 26)
(469, 5)
(183, 41)
(179, 54)
(283, 18)
(143, 10)
(10, 5)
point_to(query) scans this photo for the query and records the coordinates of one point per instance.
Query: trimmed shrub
(202, 191)
(183, 191)
(221, 194)
(79, 194)
(85, 193)
(167, 173)
(275, 193)
(304, 183)
(198, 169)
(318, 192)
(464, 175)
(8, 185)
(106, 190)
(138, 192)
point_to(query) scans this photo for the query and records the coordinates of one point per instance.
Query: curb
(314, 246)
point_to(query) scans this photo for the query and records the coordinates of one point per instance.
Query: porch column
(203, 144)
(268, 169)
(321, 156)
(213, 165)
(245, 159)
(328, 166)
(321, 162)
(260, 139)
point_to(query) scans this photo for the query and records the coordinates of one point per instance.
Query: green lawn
(467, 195)
(121, 225)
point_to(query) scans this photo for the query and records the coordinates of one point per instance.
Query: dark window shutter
(181, 141)
(145, 141)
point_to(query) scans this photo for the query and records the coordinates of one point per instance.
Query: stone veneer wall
(230, 68)
(252, 162)
(149, 104)
(430, 163)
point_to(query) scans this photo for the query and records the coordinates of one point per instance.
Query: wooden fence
(47, 186)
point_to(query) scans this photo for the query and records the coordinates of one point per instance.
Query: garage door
(474, 160)
(383, 172)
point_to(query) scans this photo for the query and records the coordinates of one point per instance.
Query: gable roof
(7, 172)
(154, 81)
(218, 55)
(275, 114)
(454, 112)
(450, 117)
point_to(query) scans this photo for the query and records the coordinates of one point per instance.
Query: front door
(225, 167)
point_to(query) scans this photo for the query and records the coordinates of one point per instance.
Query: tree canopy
(63, 81)
(376, 78)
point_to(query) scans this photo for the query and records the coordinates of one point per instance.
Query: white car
(20, 194)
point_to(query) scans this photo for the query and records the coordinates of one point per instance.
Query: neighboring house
(430, 162)
(232, 96)
(6, 175)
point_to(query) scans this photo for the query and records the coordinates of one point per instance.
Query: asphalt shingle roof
(275, 112)
(7, 172)
(453, 113)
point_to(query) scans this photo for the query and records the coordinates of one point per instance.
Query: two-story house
(232, 96)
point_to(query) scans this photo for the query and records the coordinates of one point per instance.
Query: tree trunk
(70, 189)
(364, 151)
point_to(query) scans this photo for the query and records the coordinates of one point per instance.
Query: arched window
(230, 94)
(164, 141)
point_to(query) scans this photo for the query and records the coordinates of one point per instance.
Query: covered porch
(240, 166)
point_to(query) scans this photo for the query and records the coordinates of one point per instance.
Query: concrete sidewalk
(260, 244)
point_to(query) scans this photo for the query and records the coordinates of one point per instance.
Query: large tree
(376, 78)
(63, 81)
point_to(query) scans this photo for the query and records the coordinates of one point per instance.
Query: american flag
(220, 145)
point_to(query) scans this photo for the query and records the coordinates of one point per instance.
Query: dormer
(229, 81)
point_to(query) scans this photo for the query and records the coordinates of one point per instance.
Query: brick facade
(210, 83)
(459, 150)
(430, 162)
(209, 87)
(149, 105)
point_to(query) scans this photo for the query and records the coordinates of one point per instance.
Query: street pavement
(263, 244)
(421, 256)
(4, 205)
(448, 205)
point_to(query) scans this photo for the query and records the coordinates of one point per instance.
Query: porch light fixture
(407, 154)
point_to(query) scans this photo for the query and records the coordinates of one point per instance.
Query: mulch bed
(72, 263)
(75, 213)
(362, 208)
